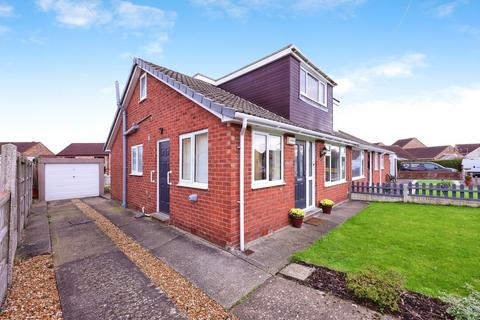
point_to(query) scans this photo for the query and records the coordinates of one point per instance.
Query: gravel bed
(33, 294)
(187, 297)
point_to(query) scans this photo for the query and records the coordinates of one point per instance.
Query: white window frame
(191, 183)
(342, 154)
(143, 76)
(257, 184)
(362, 167)
(135, 171)
(375, 160)
(303, 94)
(382, 161)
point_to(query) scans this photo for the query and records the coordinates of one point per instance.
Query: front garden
(436, 249)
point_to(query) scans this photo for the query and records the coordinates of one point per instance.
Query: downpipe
(242, 184)
(124, 147)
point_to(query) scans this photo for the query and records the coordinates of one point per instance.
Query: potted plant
(296, 217)
(327, 205)
(468, 180)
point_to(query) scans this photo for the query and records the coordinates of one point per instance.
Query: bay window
(137, 160)
(194, 159)
(335, 164)
(267, 159)
(358, 163)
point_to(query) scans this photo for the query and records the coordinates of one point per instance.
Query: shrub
(297, 213)
(452, 163)
(107, 189)
(464, 308)
(381, 287)
(327, 202)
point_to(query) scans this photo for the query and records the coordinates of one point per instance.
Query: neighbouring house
(467, 148)
(226, 159)
(434, 153)
(414, 149)
(87, 151)
(31, 149)
(409, 143)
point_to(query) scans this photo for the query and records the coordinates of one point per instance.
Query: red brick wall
(266, 209)
(214, 214)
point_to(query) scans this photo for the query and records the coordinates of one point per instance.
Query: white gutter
(291, 128)
(242, 184)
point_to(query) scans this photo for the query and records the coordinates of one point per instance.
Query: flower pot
(468, 182)
(327, 209)
(296, 221)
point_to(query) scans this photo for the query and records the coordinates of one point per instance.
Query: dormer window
(143, 87)
(312, 88)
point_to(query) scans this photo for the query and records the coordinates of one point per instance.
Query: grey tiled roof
(219, 95)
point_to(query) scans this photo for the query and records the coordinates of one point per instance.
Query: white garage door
(72, 180)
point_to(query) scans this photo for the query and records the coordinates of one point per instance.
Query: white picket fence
(16, 181)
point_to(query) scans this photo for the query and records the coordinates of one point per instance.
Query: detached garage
(68, 178)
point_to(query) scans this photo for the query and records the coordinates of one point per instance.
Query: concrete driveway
(97, 281)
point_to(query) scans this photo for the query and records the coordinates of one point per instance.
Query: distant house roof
(403, 142)
(427, 152)
(467, 147)
(21, 146)
(83, 149)
(401, 153)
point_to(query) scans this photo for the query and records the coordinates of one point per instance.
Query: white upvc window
(335, 164)
(267, 159)
(358, 164)
(194, 159)
(143, 86)
(313, 88)
(137, 160)
(382, 164)
(375, 157)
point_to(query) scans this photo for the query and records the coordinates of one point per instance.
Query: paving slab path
(97, 281)
(94, 278)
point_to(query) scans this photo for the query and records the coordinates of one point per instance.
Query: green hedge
(453, 163)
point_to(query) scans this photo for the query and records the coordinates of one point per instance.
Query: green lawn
(436, 248)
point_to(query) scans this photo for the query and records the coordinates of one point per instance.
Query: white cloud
(6, 10)
(474, 31)
(444, 112)
(397, 67)
(76, 13)
(446, 9)
(241, 8)
(231, 8)
(134, 16)
(155, 47)
(308, 5)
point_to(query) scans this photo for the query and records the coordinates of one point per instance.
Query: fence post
(8, 183)
(405, 192)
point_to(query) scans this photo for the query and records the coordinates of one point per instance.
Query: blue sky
(404, 68)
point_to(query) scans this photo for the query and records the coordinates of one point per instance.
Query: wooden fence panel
(16, 182)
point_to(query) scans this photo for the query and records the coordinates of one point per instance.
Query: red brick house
(31, 149)
(86, 151)
(226, 159)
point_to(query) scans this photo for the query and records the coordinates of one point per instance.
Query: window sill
(358, 178)
(313, 103)
(141, 100)
(136, 174)
(193, 185)
(336, 183)
(261, 185)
